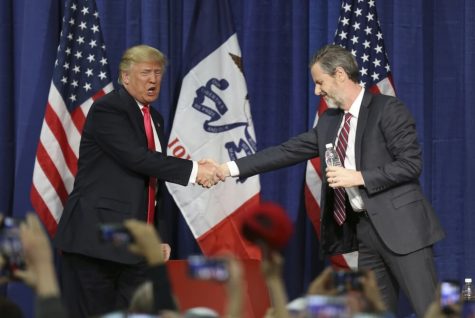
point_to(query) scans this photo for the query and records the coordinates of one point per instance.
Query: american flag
(358, 31)
(80, 76)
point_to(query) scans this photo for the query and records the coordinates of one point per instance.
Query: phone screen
(319, 306)
(201, 267)
(449, 293)
(115, 233)
(10, 246)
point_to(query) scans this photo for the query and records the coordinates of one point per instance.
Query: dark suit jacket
(113, 171)
(389, 157)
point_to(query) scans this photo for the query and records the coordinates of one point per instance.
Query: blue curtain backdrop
(431, 48)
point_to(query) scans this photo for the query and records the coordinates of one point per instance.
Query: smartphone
(344, 281)
(320, 306)
(115, 233)
(202, 267)
(11, 248)
(449, 294)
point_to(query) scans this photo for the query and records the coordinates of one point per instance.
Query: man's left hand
(339, 177)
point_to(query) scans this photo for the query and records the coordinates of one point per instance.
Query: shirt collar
(356, 105)
(140, 105)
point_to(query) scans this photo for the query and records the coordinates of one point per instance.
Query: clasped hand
(339, 177)
(210, 173)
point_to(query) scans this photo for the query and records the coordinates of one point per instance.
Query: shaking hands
(210, 173)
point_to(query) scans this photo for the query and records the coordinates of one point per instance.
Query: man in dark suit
(384, 214)
(121, 156)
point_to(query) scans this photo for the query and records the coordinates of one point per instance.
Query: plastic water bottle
(467, 290)
(331, 156)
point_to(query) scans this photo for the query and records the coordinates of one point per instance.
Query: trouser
(414, 273)
(92, 286)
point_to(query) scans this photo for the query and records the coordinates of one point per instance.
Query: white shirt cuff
(194, 173)
(233, 169)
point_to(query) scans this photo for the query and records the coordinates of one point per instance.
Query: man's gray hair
(332, 56)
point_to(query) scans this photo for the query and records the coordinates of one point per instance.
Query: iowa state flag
(213, 120)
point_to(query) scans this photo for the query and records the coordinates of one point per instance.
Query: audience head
(360, 297)
(267, 224)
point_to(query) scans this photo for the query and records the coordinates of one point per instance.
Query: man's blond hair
(138, 54)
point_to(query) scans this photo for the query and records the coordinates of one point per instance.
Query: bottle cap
(468, 280)
(330, 145)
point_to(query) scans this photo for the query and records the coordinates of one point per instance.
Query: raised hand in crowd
(323, 284)
(208, 173)
(155, 295)
(39, 273)
(147, 243)
(435, 309)
(364, 299)
(235, 288)
(271, 267)
(368, 300)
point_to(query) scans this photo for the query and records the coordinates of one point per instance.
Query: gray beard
(331, 103)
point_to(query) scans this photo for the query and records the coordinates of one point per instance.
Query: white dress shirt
(350, 162)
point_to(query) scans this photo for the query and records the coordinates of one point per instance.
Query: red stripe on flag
(51, 172)
(43, 212)
(58, 131)
(375, 90)
(316, 165)
(390, 78)
(322, 107)
(78, 118)
(313, 210)
(98, 95)
(226, 235)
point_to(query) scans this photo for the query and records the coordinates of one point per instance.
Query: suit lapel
(137, 117)
(157, 119)
(362, 120)
(133, 109)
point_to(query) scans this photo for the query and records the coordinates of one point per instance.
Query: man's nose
(318, 90)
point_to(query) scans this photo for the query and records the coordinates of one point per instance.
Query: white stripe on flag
(47, 192)
(57, 104)
(385, 87)
(88, 103)
(314, 183)
(52, 147)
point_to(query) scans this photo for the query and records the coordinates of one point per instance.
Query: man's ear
(125, 78)
(340, 73)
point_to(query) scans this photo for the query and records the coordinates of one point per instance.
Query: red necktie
(152, 183)
(339, 212)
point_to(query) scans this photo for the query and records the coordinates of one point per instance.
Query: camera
(115, 233)
(201, 267)
(344, 281)
(10, 246)
(449, 295)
